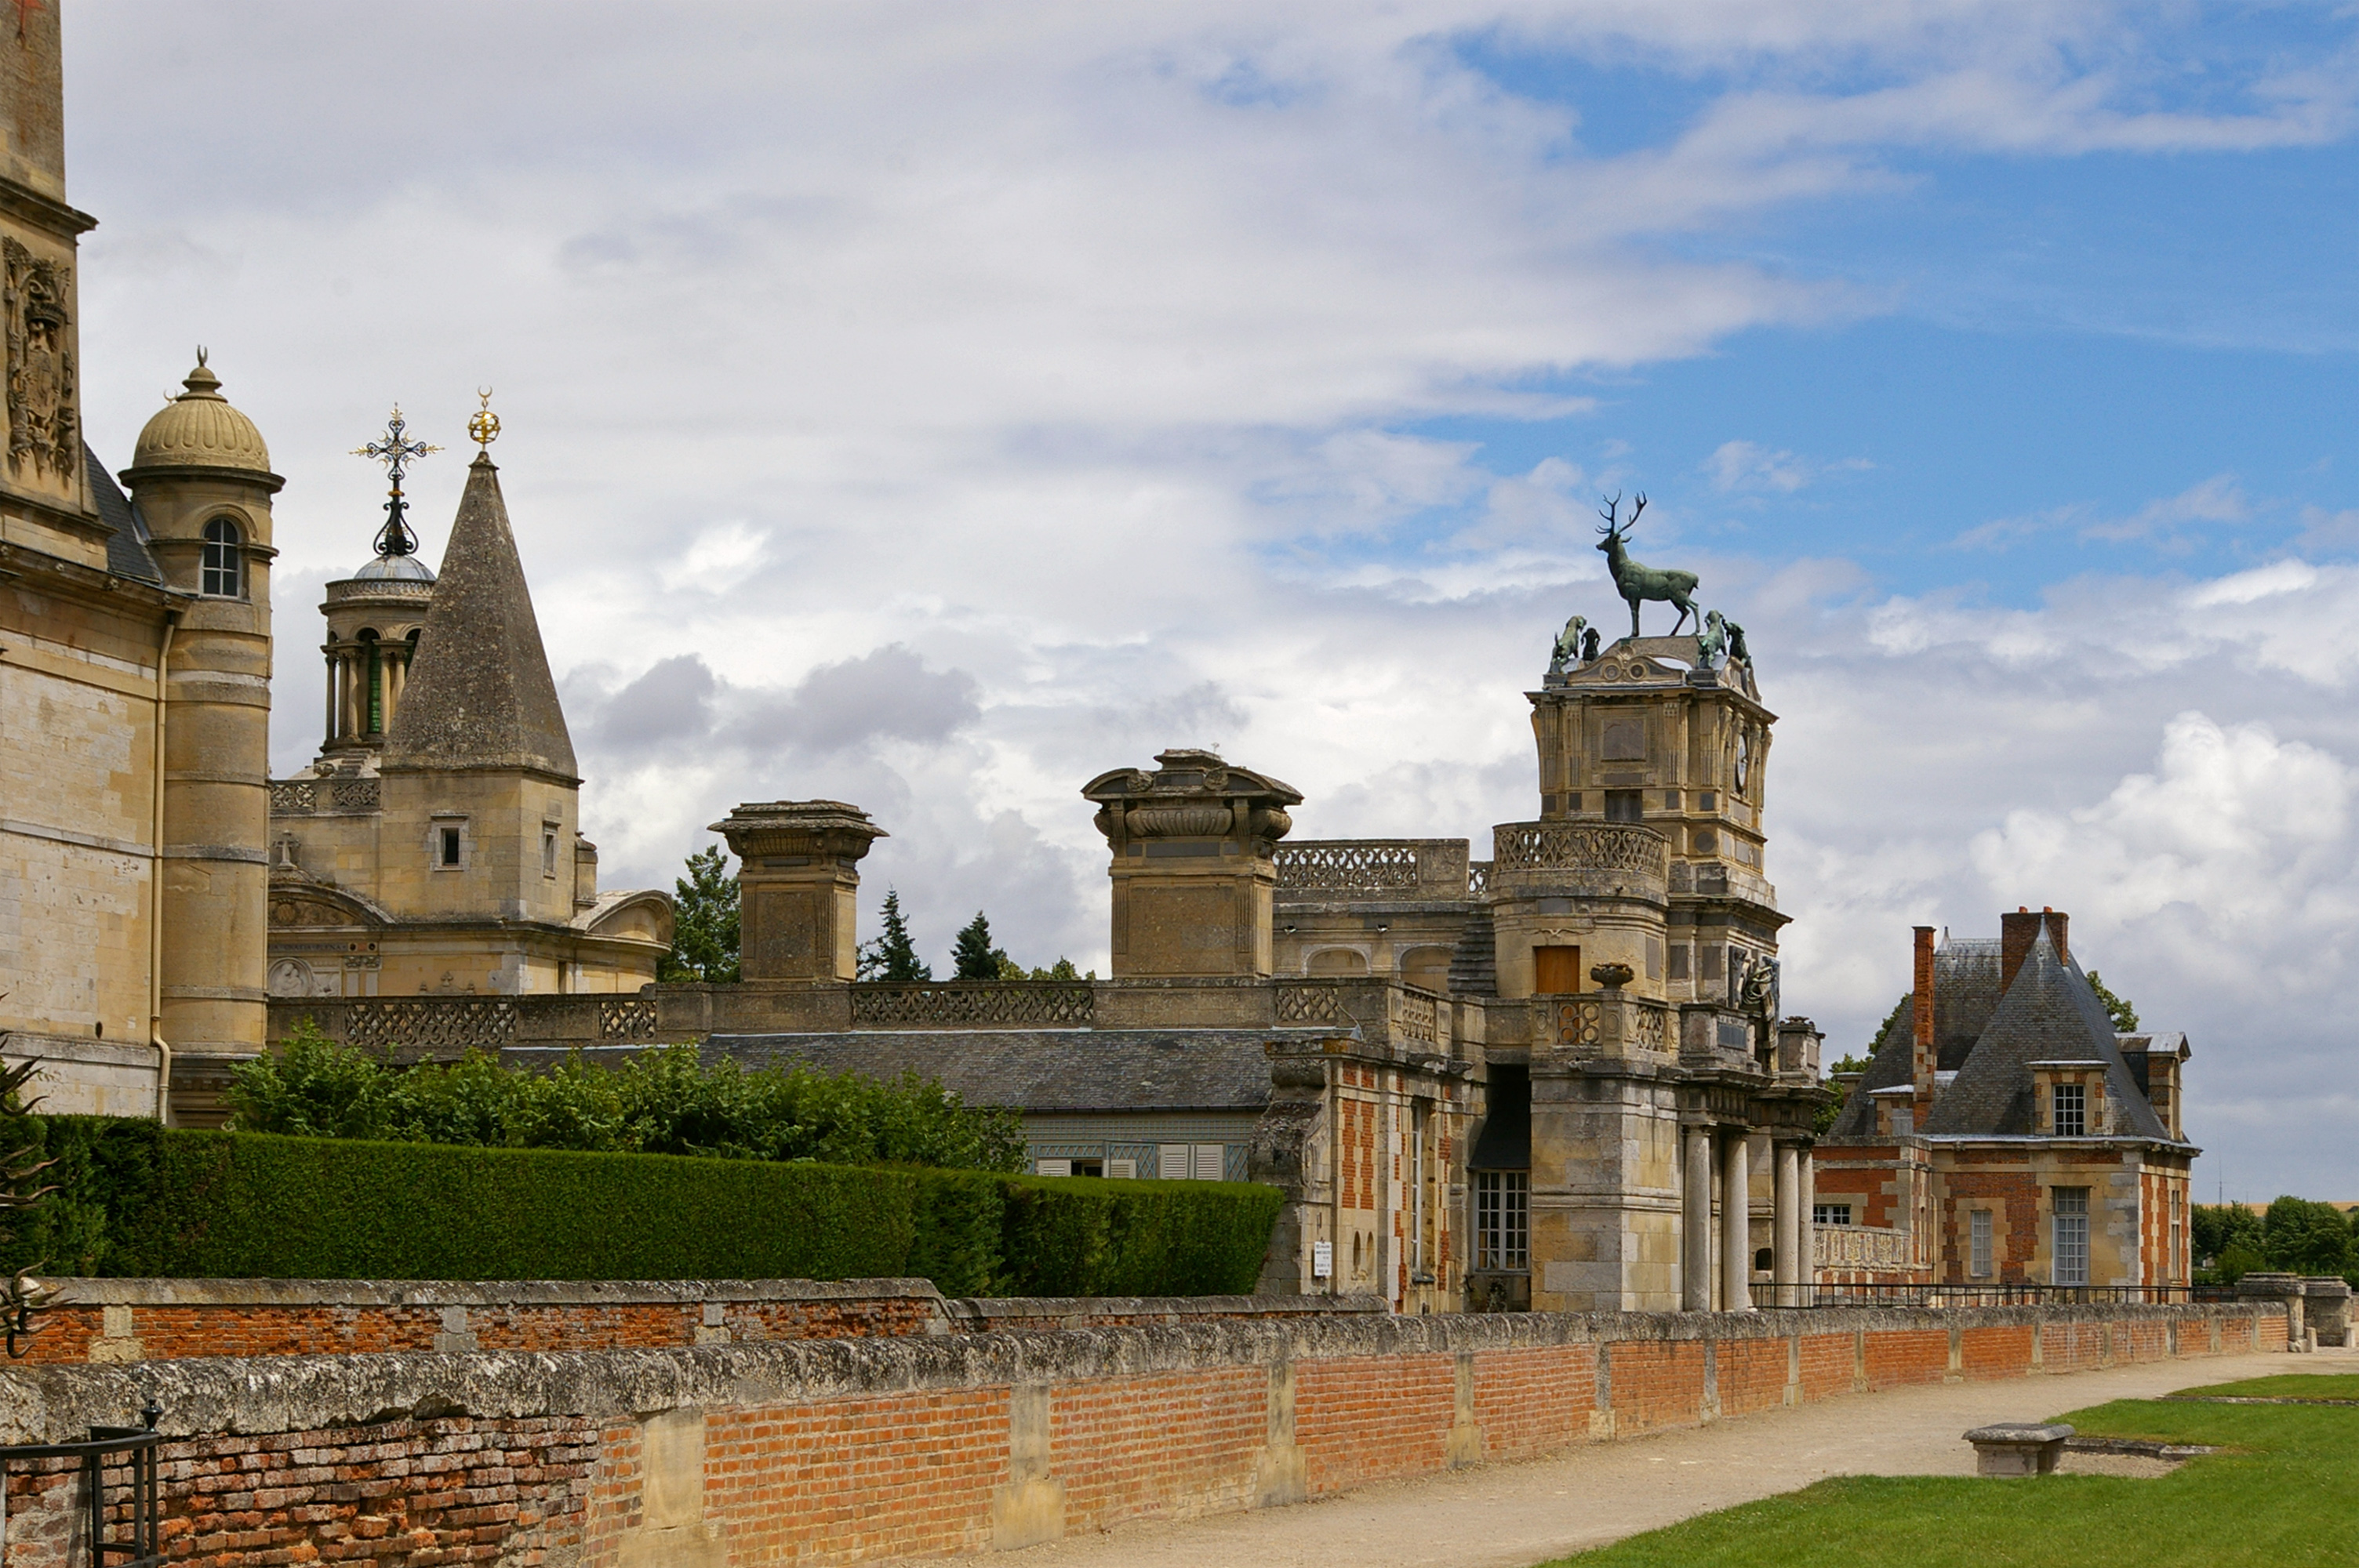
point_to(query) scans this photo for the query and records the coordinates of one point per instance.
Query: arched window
(225, 565)
(373, 681)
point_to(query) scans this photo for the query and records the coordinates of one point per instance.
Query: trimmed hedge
(136, 1199)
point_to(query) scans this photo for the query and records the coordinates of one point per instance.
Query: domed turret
(199, 429)
(201, 477)
(395, 569)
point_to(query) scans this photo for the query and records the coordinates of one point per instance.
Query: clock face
(1744, 759)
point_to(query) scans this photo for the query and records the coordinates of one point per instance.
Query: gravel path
(1513, 1516)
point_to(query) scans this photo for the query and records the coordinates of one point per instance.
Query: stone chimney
(1193, 849)
(799, 885)
(1923, 1056)
(2019, 931)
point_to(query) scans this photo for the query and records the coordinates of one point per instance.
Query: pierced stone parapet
(978, 1004)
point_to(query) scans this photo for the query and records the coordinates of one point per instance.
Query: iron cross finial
(396, 451)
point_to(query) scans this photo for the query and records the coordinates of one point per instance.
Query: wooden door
(1556, 969)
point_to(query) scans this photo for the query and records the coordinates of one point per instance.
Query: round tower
(201, 477)
(374, 618)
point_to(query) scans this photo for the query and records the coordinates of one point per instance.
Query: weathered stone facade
(135, 637)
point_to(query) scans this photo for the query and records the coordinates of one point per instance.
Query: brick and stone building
(2005, 1132)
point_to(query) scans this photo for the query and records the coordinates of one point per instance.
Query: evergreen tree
(704, 922)
(973, 956)
(891, 955)
(2124, 1016)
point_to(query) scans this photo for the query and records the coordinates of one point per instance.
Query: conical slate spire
(480, 694)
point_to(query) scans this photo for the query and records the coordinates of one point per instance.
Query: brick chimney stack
(2019, 931)
(1923, 1057)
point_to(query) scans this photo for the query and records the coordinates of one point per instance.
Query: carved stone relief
(43, 430)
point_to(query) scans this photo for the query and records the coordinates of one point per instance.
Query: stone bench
(2018, 1448)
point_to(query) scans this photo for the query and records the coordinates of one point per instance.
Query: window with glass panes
(1502, 1219)
(2071, 1102)
(222, 575)
(2069, 1217)
(1978, 1232)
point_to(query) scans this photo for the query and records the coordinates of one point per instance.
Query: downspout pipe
(156, 891)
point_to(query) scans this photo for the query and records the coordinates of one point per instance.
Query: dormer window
(222, 575)
(2070, 1103)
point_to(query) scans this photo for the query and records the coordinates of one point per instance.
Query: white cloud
(1748, 466)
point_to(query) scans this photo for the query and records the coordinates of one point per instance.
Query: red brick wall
(298, 1324)
(1534, 1401)
(1360, 1421)
(1159, 1448)
(400, 1492)
(924, 1446)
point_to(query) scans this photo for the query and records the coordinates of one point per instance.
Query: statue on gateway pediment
(1568, 644)
(1637, 581)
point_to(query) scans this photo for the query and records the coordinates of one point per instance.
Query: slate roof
(127, 547)
(1046, 1069)
(1965, 995)
(480, 693)
(2049, 1015)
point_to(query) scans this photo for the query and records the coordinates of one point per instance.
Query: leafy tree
(1900, 1010)
(2125, 1018)
(1828, 1114)
(2306, 1237)
(666, 1101)
(1062, 969)
(975, 958)
(704, 922)
(891, 955)
(2234, 1263)
(2219, 1227)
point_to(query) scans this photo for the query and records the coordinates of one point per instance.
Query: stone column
(799, 885)
(396, 679)
(1736, 1225)
(328, 730)
(1695, 1222)
(1785, 1268)
(1808, 1260)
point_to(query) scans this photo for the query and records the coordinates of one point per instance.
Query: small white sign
(1322, 1259)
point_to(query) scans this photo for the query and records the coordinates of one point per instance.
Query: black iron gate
(129, 1509)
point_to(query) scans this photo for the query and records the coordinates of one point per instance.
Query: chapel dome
(199, 429)
(397, 568)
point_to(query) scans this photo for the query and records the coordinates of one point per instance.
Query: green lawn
(2285, 1497)
(2298, 1385)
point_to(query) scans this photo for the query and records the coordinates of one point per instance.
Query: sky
(931, 406)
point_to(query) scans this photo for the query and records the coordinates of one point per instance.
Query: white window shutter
(1209, 1159)
(1172, 1162)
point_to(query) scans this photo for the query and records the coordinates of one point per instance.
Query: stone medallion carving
(43, 434)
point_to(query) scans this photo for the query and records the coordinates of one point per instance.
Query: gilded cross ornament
(396, 451)
(483, 425)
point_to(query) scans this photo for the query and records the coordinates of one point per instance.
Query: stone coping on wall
(306, 1393)
(193, 1292)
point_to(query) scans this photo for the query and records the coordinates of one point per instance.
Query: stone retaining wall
(155, 1320)
(840, 1451)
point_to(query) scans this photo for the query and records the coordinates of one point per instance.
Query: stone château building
(1555, 1078)
(434, 846)
(155, 886)
(134, 661)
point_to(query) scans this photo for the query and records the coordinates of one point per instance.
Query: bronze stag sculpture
(1635, 581)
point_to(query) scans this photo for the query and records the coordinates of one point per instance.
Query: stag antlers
(1614, 505)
